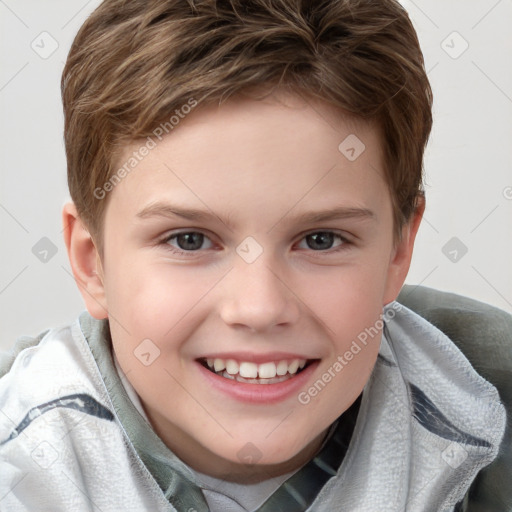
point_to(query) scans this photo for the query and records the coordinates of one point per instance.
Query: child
(246, 185)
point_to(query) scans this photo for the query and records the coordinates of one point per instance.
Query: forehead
(249, 153)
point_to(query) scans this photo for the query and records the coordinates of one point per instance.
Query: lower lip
(258, 393)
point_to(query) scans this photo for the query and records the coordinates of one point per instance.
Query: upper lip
(251, 357)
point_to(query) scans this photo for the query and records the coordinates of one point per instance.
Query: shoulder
(47, 377)
(483, 333)
(60, 440)
(45, 367)
(463, 319)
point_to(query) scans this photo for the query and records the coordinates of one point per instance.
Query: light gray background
(468, 161)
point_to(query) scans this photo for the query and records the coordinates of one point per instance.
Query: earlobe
(85, 262)
(402, 254)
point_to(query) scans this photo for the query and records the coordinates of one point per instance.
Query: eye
(188, 242)
(323, 241)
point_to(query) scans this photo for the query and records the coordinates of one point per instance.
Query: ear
(85, 262)
(402, 254)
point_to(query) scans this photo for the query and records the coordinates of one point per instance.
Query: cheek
(347, 299)
(349, 303)
(160, 302)
(152, 296)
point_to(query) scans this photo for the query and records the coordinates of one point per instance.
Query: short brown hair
(135, 62)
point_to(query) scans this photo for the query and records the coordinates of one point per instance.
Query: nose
(257, 297)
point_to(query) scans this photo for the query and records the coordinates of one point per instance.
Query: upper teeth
(252, 370)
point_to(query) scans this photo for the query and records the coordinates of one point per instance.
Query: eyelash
(345, 243)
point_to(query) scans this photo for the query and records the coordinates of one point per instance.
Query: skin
(261, 164)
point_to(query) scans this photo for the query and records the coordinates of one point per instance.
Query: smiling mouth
(252, 373)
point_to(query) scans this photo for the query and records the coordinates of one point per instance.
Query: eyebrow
(160, 209)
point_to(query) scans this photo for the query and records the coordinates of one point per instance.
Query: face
(243, 256)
